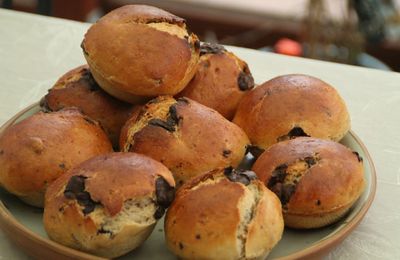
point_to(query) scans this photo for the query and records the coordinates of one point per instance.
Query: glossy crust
(77, 88)
(292, 105)
(123, 188)
(213, 217)
(187, 137)
(329, 179)
(37, 150)
(220, 81)
(137, 51)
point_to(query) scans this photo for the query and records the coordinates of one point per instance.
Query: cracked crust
(125, 50)
(316, 180)
(42, 147)
(187, 137)
(77, 88)
(213, 217)
(220, 81)
(127, 192)
(289, 106)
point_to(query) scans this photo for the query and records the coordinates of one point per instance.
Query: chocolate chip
(278, 175)
(198, 237)
(173, 115)
(245, 81)
(310, 161)
(166, 125)
(211, 48)
(75, 189)
(226, 153)
(287, 191)
(254, 150)
(295, 132)
(318, 202)
(62, 166)
(242, 176)
(181, 246)
(165, 194)
(359, 158)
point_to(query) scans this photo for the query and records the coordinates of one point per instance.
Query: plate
(23, 223)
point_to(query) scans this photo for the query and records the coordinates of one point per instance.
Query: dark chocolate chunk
(211, 48)
(359, 158)
(166, 125)
(75, 189)
(159, 212)
(198, 236)
(245, 81)
(226, 153)
(310, 161)
(165, 194)
(287, 191)
(181, 246)
(242, 176)
(278, 175)
(318, 202)
(173, 115)
(295, 132)
(254, 150)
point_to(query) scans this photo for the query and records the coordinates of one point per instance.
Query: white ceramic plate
(23, 223)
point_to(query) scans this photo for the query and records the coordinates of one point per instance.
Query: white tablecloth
(35, 51)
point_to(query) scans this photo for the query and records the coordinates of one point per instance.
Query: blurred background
(358, 32)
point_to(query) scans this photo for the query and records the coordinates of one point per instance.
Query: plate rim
(13, 228)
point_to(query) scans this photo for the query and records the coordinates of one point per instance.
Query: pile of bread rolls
(145, 129)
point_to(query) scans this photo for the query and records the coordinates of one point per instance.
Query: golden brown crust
(331, 180)
(110, 181)
(140, 67)
(220, 82)
(292, 103)
(213, 217)
(40, 148)
(194, 140)
(77, 88)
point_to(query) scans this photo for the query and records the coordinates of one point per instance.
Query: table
(36, 50)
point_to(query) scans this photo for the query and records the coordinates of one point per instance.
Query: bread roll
(220, 81)
(316, 180)
(224, 214)
(37, 150)
(109, 204)
(77, 88)
(138, 51)
(289, 106)
(187, 137)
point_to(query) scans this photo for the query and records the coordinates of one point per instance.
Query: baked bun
(187, 137)
(316, 180)
(224, 214)
(109, 204)
(289, 106)
(37, 150)
(220, 81)
(77, 88)
(139, 51)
